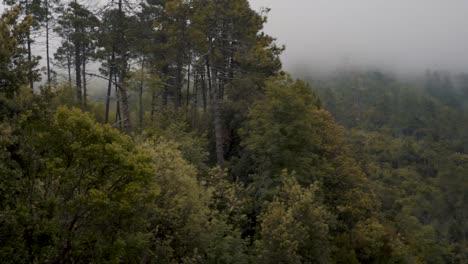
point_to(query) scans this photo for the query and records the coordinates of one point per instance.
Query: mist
(404, 37)
(399, 36)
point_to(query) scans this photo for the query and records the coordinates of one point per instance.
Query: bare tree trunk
(188, 84)
(69, 68)
(30, 77)
(109, 86)
(203, 83)
(165, 72)
(78, 72)
(217, 122)
(123, 74)
(218, 131)
(124, 98)
(28, 36)
(85, 91)
(195, 99)
(49, 78)
(118, 115)
(196, 83)
(208, 74)
(125, 108)
(179, 82)
(140, 94)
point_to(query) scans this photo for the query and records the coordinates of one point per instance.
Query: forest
(201, 148)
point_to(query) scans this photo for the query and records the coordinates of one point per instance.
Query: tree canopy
(200, 149)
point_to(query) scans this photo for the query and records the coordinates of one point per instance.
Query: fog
(402, 36)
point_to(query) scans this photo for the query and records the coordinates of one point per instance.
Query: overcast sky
(400, 35)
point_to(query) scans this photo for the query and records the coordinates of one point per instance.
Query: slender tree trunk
(124, 97)
(217, 122)
(203, 83)
(78, 72)
(125, 111)
(231, 65)
(125, 107)
(218, 131)
(165, 72)
(28, 37)
(188, 84)
(109, 86)
(196, 83)
(30, 77)
(179, 83)
(69, 68)
(180, 64)
(195, 99)
(85, 90)
(140, 94)
(123, 73)
(208, 73)
(118, 116)
(49, 78)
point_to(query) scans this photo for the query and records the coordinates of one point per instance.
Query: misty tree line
(191, 49)
(225, 158)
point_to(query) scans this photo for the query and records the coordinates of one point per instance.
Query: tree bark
(28, 36)
(49, 77)
(118, 115)
(217, 122)
(125, 107)
(203, 87)
(109, 86)
(218, 131)
(140, 94)
(78, 72)
(179, 82)
(85, 91)
(122, 50)
(188, 84)
(196, 83)
(195, 98)
(69, 68)
(165, 72)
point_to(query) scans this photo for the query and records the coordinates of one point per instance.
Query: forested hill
(205, 151)
(411, 139)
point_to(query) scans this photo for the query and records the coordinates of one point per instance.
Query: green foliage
(282, 130)
(84, 193)
(188, 226)
(294, 226)
(288, 130)
(14, 65)
(181, 205)
(229, 199)
(411, 144)
(292, 186)
(173, 126)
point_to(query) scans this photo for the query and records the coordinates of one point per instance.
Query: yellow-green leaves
(288, 130)
(87, 187)
(14, 67)
(294, 227)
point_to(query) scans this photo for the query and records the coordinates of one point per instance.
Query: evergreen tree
(78, 26)
(15, 65)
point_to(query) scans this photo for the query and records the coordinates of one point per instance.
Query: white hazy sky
(400, 35)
